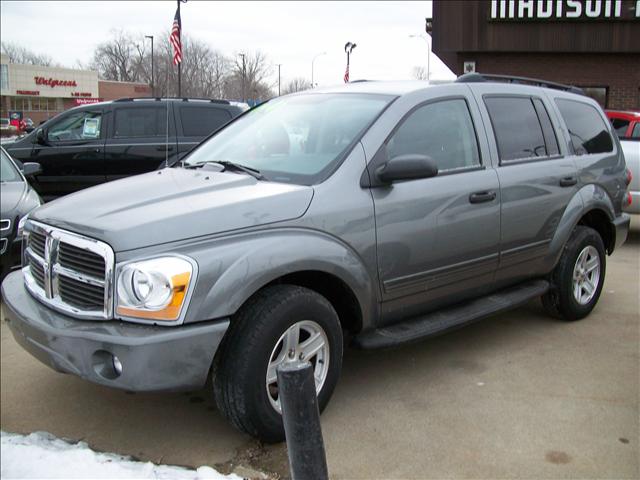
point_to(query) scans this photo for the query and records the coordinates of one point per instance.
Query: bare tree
(19, 54)
(419, 73)
(120, 58)
(296, 85)
(249, 78)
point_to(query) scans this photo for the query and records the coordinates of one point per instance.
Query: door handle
(480, 197)
(97, 149)
(164, 148)
(568, 181)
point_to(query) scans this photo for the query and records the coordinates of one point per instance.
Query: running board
(435, 323)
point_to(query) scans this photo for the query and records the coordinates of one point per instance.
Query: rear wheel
(578, 278)
(279, 324)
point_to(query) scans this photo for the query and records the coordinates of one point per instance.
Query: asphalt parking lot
(519, 395)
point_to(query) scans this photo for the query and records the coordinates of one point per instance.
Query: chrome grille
(36, 243)
(84, 261)
(69, 272)
(5, 224)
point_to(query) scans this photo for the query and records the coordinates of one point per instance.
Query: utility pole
(279, 65)
(153, 85)
(314, 59)
(243, 74)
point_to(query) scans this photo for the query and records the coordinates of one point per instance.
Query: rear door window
(589, 132)
(518, 129)
(202, 121)
(140, 122)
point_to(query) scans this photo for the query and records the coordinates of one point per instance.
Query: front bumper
(151, 358)
(621, 226)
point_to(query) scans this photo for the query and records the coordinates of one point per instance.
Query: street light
(153, 85)
(243, 74)
(348, 48)
(314, 59)
(428, 53)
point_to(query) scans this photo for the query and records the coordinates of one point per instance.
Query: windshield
(8, 172)
(298, 139)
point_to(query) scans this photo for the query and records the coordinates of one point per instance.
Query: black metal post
(301, 417)
(180, 62)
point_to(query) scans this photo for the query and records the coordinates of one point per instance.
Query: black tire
(240, 366)
(560, 301)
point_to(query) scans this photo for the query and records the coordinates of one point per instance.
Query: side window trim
(516, 161)
(542, 113)
(378, 158)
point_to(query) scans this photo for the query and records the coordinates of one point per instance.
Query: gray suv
(384, 213)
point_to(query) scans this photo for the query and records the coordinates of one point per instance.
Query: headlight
(21, 223)
(154, 289)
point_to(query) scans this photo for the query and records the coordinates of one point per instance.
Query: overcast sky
(290, 33)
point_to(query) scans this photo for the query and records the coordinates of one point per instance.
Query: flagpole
(180, 63)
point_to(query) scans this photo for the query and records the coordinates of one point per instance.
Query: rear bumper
(152, 358)
(621, 226)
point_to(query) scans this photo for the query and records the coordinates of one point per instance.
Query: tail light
(628, 177)
(629, 199)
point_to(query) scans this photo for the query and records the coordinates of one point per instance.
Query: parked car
(631, 149)
(17, 199)
(97, 143)
(625, 123)
(403, 210)
(6, 129)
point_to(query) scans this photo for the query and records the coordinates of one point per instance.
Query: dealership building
(592, 44)
(39, 93)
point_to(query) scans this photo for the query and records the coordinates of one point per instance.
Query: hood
(174, 204)
(10, 195)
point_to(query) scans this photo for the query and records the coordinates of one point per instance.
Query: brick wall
(113, 90)
(620, 73)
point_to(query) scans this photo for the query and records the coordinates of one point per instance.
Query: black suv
(96, 143)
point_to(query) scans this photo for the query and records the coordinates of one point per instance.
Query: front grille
(69, 272)
(36, 243)
(5, 224)
(81, 260)
(79, 294)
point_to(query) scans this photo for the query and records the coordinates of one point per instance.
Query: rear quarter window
(588, 130)
(201, 121)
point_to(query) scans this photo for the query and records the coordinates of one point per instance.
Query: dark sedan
(17, 199)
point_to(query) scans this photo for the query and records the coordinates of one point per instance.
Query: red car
(626, 124)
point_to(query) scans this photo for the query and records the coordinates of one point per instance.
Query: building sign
(86, 101)
(52, 82)
(559, 10)
(80, 94)
(32, 93)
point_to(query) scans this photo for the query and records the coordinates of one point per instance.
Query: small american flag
(174, 38)
(346, 74)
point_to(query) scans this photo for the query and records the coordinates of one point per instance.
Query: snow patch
(41, 455)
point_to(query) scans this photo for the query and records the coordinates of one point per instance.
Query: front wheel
(578, 278)
(279, 324)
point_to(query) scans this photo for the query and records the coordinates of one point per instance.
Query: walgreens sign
(53, 82)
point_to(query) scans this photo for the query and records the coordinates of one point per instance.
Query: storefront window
(4, 77)
(36, 104)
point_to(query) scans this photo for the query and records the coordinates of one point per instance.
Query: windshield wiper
(232, 166)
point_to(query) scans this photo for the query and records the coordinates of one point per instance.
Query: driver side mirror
(41, 138)
(29, 169)
(407, 167)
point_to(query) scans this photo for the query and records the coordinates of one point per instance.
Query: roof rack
(484, 77)
(183, 99)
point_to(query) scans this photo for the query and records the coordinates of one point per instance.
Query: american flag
(346, 74)
(174, 38)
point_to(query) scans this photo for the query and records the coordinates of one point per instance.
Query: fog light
(117, 366)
